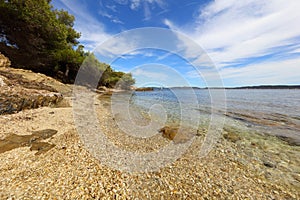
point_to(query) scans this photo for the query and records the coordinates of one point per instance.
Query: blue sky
(229, 42)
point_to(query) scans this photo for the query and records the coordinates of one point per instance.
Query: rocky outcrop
(18, 98)
(23, 89)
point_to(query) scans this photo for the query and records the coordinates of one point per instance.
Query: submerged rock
(232, 137)
(176, 134)
(169, 132)
(231, 134)
(289, 140)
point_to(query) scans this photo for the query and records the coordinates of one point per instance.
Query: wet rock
(33, 141)
(169, 132)
(41, 147)
(176, 134)
(289, 140)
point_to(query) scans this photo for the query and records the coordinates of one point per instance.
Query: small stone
(269, 164)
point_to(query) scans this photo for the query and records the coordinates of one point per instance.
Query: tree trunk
(67, 73)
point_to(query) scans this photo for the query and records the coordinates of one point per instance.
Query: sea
(267, 111)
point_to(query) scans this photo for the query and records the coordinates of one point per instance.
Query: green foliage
(126, 81)
(97, 74)
(37, 37)
(32, 33)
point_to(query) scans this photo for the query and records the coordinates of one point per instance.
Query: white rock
(2, 82)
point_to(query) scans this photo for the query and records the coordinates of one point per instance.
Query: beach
(247, 167)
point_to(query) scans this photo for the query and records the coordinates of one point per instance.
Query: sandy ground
(233, 170)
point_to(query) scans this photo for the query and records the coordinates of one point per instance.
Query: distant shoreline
(260, 87)
(226, 88)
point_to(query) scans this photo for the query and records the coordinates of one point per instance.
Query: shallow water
(271, 111)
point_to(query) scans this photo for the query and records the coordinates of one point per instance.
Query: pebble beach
(68, 171)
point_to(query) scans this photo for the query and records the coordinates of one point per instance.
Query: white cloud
(276, 72)
(150, 74)
(234, 31)
(112, 7)
(296, 50)
(111, 17)
(116, 47)
(159, 75)
(170, 24)
(92, 31)
(147, 5)
(247, 28)
(135, 4)
(122, 2)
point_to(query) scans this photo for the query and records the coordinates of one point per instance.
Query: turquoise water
(271, 111)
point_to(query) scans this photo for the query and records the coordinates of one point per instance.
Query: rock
(41, 147)
(19, 93)
(33, 141)
(4, 61)
(173, 133)
(2, 83)
(231, 136)
(289, 140)
(169, 132)
(269, 164)
(102, 88)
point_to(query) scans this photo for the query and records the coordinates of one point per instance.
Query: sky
(193, 43)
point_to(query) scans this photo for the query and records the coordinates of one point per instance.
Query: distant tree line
(35, 36)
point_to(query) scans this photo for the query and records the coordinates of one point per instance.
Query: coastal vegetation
(35, 36)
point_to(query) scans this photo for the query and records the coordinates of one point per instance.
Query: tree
(126, 81)
(35, 36)
(32, 33)
(95, 74)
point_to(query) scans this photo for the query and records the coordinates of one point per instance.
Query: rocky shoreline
(241, 166)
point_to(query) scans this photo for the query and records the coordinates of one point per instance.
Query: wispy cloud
(112, 7)
(279, 72)
(242, 32)
(112, 18)
(147, 6)
(135, 4)
(92, 31)
(159, 75)
(247, 28)
(150, 74)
